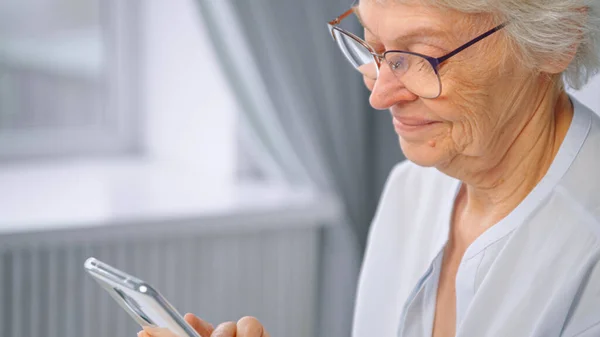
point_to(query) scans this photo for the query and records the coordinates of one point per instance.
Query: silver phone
(143, 303)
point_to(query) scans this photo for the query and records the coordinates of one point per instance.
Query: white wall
(590, 94)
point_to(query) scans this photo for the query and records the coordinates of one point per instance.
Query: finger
(158, 332)
(202, 327)
(249, 327)
(227, 329)
(143, 334)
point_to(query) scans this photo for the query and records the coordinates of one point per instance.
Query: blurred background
(220, 150)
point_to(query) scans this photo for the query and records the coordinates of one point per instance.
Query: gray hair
(548, 30)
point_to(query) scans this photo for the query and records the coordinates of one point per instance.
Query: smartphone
(143, 303)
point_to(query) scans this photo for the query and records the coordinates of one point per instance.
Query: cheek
(466, 137)
(468, 107)
(469, 124)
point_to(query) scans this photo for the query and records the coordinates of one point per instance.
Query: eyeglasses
(419, 73)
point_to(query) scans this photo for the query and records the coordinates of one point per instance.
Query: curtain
(307, 108)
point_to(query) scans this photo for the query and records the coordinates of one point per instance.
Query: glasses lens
(416, 73)
(358, 55)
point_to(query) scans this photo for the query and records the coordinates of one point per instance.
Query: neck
(490, 194)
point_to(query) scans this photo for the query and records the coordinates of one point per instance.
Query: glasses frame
(435, 62)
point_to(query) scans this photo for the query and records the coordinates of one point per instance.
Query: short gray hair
(547, 29)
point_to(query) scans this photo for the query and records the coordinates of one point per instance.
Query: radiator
(270, 274)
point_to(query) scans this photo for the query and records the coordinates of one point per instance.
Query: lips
(413, 127)
(413, 121)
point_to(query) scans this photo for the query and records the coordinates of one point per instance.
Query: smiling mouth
(404, 126)
(422, 123)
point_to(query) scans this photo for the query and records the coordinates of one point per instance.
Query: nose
(388, 90)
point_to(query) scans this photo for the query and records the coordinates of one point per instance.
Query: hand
(245, 327)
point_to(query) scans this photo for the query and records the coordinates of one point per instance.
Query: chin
(421, 154)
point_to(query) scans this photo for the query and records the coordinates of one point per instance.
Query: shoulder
(578, 192)
(412, 203)
(590, 121)
(409, 183)
(399, 246)
(410, 191)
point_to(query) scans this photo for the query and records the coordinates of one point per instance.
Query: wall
(590, 94)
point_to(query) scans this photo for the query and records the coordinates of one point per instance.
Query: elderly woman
(492, 226)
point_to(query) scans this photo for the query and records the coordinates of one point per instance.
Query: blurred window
(67, 84)
(115, 109)
(108, 77)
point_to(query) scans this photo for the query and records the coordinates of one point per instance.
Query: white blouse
(534, 273)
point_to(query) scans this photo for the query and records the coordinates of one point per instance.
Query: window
(165, 110)
(68, 78)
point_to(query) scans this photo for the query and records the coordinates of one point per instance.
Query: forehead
(392, 19)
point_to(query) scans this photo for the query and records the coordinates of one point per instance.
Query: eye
(398, 64)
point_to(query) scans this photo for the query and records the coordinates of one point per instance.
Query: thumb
(202, 327)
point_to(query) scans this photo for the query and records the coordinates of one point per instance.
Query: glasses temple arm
(472, 42)
(339, 19)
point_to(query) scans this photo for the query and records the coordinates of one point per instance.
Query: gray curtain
(309, 110)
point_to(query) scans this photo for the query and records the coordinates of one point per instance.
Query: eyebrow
(418, 32)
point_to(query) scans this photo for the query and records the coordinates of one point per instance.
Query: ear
(560, 64)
